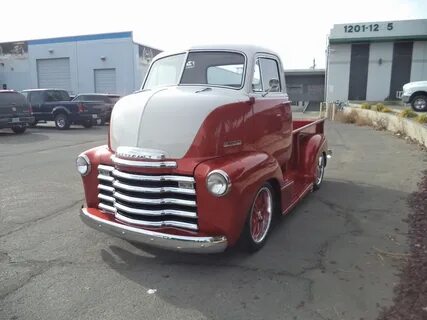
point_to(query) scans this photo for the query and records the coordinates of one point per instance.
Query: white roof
(247, 49)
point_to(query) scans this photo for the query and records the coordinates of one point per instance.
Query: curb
(393, 123)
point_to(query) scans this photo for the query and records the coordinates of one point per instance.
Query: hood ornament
(140, 153)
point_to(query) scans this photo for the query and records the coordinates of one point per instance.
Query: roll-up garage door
(54, 73)
(105, 80)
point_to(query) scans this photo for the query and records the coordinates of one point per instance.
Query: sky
(297, 30)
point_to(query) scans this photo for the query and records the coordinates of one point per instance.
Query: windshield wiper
(204, 89)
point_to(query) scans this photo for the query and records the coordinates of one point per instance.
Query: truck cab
(204, 155)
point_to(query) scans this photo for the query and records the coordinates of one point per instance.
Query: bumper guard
(155, 239)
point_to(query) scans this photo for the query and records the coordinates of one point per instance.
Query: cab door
(272, 119)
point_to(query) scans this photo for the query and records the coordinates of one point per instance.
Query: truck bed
(298, 180)
(308, 125)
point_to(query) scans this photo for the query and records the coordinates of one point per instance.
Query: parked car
(415, 93)
(109, 101)
(204, 155)
(55, 105)
(15, 113)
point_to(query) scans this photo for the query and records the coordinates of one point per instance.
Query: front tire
(19, 129)
(419, 103)
(61, 121)
(258, 223)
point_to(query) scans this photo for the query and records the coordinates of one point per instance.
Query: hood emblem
(140, 153)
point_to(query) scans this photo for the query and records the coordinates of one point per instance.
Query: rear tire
(259, 220)
(62, 122)
(320, 172)
(33, 124)
(19, 129)
(419, 103)
(88, 124)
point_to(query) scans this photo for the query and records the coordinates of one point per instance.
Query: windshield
(211, 68)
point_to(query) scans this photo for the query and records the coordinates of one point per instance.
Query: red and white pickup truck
(204, 155)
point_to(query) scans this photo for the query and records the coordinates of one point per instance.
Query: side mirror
(274, 84)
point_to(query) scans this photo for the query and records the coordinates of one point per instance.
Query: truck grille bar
(148, 200)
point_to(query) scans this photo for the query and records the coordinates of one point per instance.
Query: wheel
(61, 121)
(19, 129)
(320, 172)
(419, 103)
(87, 124)
(33, 124)
(259, 220)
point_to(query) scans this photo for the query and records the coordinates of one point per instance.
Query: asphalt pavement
(328, 259)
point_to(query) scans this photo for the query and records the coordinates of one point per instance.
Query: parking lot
(326, 260)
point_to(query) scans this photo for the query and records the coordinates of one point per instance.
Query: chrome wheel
(261, 215)
(420, 104)
(320, 171)
(61, 121)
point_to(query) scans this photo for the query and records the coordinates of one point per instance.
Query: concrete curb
(394, 123)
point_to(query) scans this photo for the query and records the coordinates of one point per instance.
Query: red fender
(311, 149)
(226, 215)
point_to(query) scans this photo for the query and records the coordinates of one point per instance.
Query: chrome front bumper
(155, 239)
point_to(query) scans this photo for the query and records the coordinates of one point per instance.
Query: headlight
(218, 183)
(83, 165)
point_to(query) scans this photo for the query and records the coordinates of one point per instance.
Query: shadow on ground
(328, 238)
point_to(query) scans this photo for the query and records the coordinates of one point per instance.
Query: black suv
(55, 105)
(15, 113)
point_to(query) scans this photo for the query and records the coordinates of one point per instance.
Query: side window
(256, 80)
(36, 97)
(269, 71)
(79, 98)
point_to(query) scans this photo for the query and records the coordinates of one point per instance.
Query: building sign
(146, 54)
(14, 50)
(375, 27)
(384, 30)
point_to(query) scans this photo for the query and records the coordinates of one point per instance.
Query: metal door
(358, 71)
(54, 73)
(401, 67)
(105, 80)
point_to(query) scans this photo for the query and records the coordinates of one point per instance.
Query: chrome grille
(148, 200)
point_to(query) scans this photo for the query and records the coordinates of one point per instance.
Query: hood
(415, 84)
(165, 119)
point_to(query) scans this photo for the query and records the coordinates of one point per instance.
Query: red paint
(274, 153)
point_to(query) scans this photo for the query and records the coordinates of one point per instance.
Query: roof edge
(89, 37)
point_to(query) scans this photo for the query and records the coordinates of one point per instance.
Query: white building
(372, 60)
(105, 63)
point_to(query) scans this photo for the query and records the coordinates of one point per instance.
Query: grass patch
(408, 113)
(365, 106)
(422, 118)
(387, 110)
(379, 107)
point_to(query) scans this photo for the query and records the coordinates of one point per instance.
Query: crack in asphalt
(53, 214)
